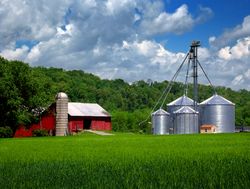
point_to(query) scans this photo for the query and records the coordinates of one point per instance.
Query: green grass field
(126, 161)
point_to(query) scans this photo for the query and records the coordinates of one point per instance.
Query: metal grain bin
(160, 122)
(186, 121)
(178, 103)
(220, 112)
(61, 114)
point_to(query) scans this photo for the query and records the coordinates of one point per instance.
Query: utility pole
(194, 57)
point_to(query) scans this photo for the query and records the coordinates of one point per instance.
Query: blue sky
(226, 14)
(130, 39)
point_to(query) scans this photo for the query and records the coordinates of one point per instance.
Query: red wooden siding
(75, 124)
(47, 122)
(101, 124)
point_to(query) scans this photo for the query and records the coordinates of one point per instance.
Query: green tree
(17, 93)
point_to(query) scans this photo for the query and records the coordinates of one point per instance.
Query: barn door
(87, 123)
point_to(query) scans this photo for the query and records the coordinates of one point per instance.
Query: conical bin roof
(160, 112)
(185, 110)
(216, 99)
(182, 101)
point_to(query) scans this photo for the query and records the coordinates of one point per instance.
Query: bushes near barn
(40, 132)
(124, 121)
(5, 132)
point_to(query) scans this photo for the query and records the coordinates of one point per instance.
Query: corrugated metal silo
(186, 121)
(220, 112)
(178, 103)
(61, 114)
(160, 122)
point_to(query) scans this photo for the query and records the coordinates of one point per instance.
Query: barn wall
(47, 122)
(101, 123)
(75, 124)
(97, 123)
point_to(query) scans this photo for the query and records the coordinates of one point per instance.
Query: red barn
(80, 116)
(87, 116)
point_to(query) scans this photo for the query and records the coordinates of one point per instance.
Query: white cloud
(238, 80)
(15, 54)
(178, 22)
(225, 53)
(211, 39)
(247, 74)
(115, 6)
(112, 39)
(242, 80)
(239, 51)
(34, 20)
(231, 56)
(204, 14)
(240, 31)
(67, 31)
(204, 54)
(230, 66)
(34, 54)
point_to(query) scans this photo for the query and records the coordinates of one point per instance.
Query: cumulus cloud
(144, 59)
(76, 35)
(178, 22)
(113, 39)
(15, 54)
(239, 51)
(230, 66)
(230, 35)
(35, 20)
(238, 56)
(230, 56)
(242, 79)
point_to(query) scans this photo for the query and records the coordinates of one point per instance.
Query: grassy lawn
(126, 161)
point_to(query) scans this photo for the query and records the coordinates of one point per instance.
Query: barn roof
(86, 109)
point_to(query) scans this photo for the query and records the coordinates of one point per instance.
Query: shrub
(40, 133)
(5, 132)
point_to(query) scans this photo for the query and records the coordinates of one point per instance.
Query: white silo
(220, 112)
(61, 114)
(160, 122)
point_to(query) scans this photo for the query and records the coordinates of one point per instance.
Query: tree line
(25, 90)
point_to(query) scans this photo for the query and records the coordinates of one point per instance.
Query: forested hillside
(24, 90)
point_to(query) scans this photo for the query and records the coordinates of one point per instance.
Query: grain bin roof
(86, 109)
(216, 99)
(160, 112)
(185, 110)
(183, 100)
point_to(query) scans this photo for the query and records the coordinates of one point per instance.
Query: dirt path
(99, 132)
